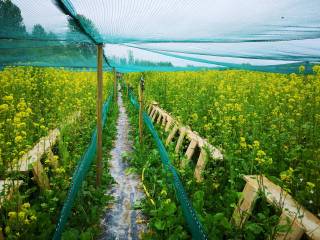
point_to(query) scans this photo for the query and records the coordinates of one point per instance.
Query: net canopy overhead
(148, 35)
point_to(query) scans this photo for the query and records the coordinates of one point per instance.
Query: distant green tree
(38, 31)
(11, 21)
(77, 32)
(130, 57)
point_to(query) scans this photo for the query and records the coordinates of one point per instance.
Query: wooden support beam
(168, 124)
(189, 153)
(164, 120)
(245, 205)
(153, 110)
(171, 135)
(40, 175)
(191, 148)
(182, 131)
(154, 116)
(159, 118)
(150, 108)
(201, 163)
(1, 235)
(99, 114)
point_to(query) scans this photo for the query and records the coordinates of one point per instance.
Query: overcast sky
(165, 20)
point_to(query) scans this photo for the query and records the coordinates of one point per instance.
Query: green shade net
(153, 35)
(189, 213)
(79, 175)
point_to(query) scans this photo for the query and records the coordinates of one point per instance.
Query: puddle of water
(120, 221)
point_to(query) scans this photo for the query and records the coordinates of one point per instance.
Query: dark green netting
(79, 175)
(189, 213)
(161, 35)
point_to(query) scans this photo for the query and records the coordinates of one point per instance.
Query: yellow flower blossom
(12, 215)
(4, 107)
(7, 98)
(18, 139)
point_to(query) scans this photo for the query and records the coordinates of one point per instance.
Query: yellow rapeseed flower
(4, 107)
(12, 215)
(18, 139)
(7, 98)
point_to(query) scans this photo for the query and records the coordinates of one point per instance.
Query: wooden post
(1, 235)
(141, 89)
(115, 84)
(99, 115)
(127, 89)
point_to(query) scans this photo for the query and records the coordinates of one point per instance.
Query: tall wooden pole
(99, 115)
(127, 85)
(115, 84)
(141, 90)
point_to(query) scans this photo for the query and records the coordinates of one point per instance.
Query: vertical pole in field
(115, 84)
(99, 116)
(127, 85)
(141, 89)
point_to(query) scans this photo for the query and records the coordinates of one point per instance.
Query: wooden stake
(1, 235)
(127, 89)
(115, 84)
(141, 89)
(99, 116)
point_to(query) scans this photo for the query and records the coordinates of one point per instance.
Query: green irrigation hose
(79, 175)
(191, 218)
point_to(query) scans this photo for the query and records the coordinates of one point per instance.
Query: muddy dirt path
(120, 221)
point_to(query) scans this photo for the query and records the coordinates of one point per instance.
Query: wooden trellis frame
(160, 116)
(33, 159)
(301, 220)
